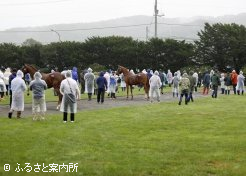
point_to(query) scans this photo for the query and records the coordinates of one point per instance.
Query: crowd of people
(14, 83)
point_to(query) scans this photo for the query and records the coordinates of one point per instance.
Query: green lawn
(204, 138)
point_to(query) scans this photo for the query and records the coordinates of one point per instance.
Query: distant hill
(134, 26)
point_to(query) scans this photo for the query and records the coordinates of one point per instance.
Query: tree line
(219, 45)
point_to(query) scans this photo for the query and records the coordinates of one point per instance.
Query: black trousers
(100, 95)
(65, 116)
(184, 93)
(234, 88)
(215, 91)
(10, 97)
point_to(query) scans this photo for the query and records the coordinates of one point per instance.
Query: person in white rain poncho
(169, 78)
(89, 83)
(122, 82)
(37, 86)
(70, 91)
(155, 84)
(195, 75)
(107, 76)
(6, 74)
(2, 86)
(175, 87)
(18, 88)
(240, 83)
(222, 83)
(112, 85)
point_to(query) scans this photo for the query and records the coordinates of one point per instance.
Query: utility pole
(156, 14)
(147, 33)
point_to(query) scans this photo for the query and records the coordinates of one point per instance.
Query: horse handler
(38, 97)
(70, 91)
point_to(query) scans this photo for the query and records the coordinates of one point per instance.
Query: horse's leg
(146, 89)
(131, 91)
(127, 90)
(59, 98)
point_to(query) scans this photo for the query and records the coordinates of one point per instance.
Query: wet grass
(204, 138)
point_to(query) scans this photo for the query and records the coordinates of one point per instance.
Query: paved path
(93, 105)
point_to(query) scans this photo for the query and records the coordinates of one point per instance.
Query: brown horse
(134, 79)
(52, 79)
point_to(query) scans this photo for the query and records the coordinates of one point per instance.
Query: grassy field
(205, 138)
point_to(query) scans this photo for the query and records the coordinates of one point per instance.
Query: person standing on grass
(199, 79)
(184, 86)
(163, 80)
(2, 86)
(234, 81)
(169, 78)
(175, 88)
(95, 84)
(107, 77)
(102, 86)
(82, 81)
(27, 78)
(112, 85)
(240, 83)
(206, 83)
(222, 83)
(155, 84)
(37, 86)
(149, 73)
(192, 86)
(11, 77)
(122, 82)
(215, 81)
(75, 74)
(18, 88)
(89, 83)
(70, 91)
(6, 74)
(195, 75)
(227, 84)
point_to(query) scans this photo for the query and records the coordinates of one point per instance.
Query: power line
(96, 28)
(34, 3)
(176, 24)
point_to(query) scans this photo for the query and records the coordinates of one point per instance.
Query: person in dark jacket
(192, 86)
(215, 81)
(102, 86)
(82, 81)
(227, 80)
(11, 77)
(149, 74)
(206, 83)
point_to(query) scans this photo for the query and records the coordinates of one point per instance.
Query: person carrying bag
(70, 90)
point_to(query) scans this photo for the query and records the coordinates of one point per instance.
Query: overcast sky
(24, 13)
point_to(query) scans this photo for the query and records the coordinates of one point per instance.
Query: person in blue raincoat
(75, 74)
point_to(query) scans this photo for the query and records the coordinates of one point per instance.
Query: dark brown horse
(134, 79)
(52, 79)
